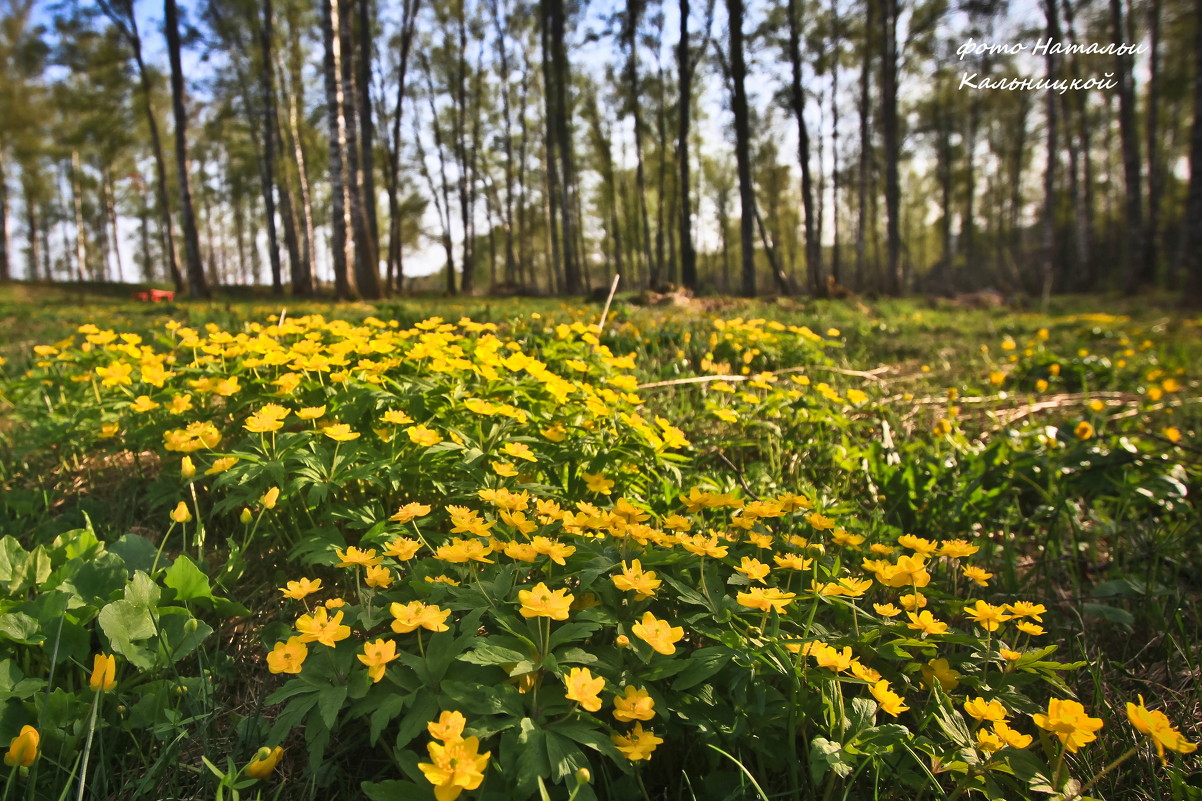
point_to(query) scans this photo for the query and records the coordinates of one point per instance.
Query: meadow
(493, 549)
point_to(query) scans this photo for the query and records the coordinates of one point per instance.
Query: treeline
(543, 146)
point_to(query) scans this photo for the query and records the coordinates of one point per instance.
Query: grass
(1101, 528)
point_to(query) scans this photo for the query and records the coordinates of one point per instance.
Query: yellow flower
(940, 670)
(23, 749)
(299, 590)
(504, 469)
(598, 483)
(460, 552)
(420, 435)
(181, 513)
(397, 418)
(287, 657)
(1159, 729)
(376, 655)
(355, 556)
(827, 656)
(1084, 430)
(957, 549)
(448, 727)
(997, 378)
(1027, 609)
(417, 615)
(753, 569)
(977, 575)
(311, 412)
(584, 688)
(890, 701)
(542, 602)
(912, 601)
(269, 418)
(926, 623)
(919, 545)
(986, 615)
(1172, 434)
(402, 548)
(319, 627)
(270, 498)
(340, 432)
(765, 598)
(1068, 721)
(984, 710)
(636, 704)
(909, 571)
(1029, 628)
(410, 511)
(1009, 736)
(379, 576)
(221, 465)
(104, 673)
(634, 579)
(637, 745)
(454, 767)
(519, 450)
(187, 468)
(142, 404)
(659, 634)
(886, 610)
(264, 762)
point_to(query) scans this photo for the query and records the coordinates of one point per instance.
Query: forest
(357, 149)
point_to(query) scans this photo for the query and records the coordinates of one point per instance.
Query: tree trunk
(836, 38)
(634, 9)
(111, 212)
(1155, 156)
(396, 275)
(1192, 261)
(688, 256)
(865, 110)
(148, 273)
(364, 269)
(32, 224)
(369, 280)
(1138, 273)
(813, 248)
(1053, 156)
(81, 235)
(892, 144)
(5, 267)
(342, 236)
(738, 73)
(302, 271)
(197, 286)
(556, 20)
(266, 36)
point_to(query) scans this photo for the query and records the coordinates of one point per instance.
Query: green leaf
(12, 558)
(392, 790)
(20, 627)
(124, 622)
(826, 755)
(137, 552)
(492, 655)
(702, 663)
(1111, 614)
(424, 710)
(329, 703)
(571, 632)
(563, 755)
(182, 634)
(187, 580)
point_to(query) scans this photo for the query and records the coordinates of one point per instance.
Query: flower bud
(187, 469)
(583, 776)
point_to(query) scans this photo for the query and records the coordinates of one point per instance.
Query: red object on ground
(155, 295)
